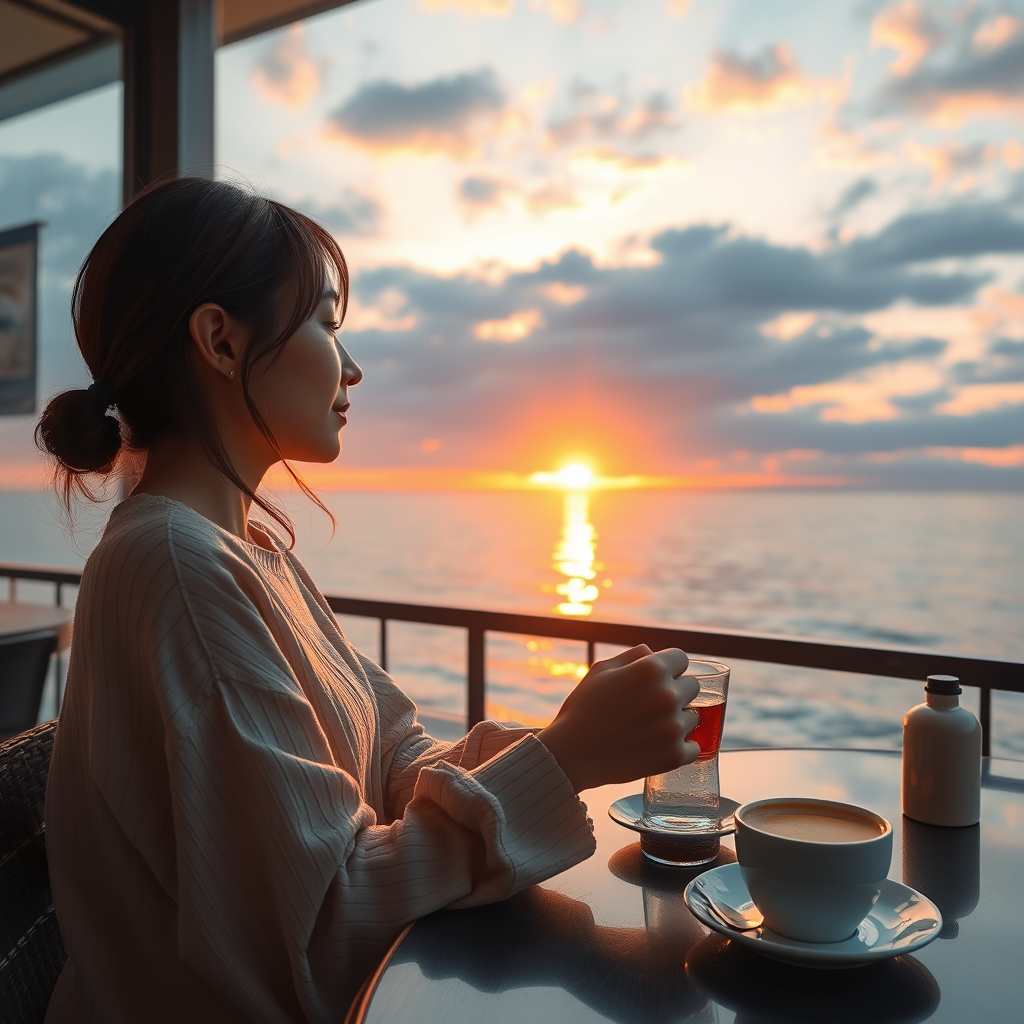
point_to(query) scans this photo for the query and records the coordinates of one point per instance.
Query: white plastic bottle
(942, 758)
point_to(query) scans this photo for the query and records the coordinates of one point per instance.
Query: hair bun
(76, 430)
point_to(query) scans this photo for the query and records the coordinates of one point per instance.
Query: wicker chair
(31, 949)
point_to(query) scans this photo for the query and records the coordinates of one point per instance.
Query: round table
(24, 619)
(612, 940)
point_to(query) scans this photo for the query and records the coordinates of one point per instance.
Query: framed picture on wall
(19, 263)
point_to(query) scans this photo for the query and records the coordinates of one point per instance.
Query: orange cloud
(954, 162)
(1013, 455)
(977, 75)
(975, 398)
(564, 294)
(513, 328)
(604, 161)
(994, 34)
(787, 326)
(862, 399)
(565, 12)
(911, 30)
(848, 150)
(484, 8)
(385, 315)
(288, 75)
(764, 83)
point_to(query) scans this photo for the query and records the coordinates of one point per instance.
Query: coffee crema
(822, 823)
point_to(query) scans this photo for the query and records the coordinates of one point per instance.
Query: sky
(717, 243)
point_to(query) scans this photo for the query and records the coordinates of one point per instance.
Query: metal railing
(985, 674)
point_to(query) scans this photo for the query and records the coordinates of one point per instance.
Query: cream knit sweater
(242, 810)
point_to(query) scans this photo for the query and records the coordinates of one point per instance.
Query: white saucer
(901, 921)
(629, 813)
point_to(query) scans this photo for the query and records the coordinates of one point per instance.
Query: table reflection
(762, 991)
(541, 938)
(944, 864)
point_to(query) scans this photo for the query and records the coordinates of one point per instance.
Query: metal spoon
(744, 917)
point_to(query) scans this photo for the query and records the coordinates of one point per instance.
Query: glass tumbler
(686, 800)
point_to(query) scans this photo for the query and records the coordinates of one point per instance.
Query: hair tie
(100, 391)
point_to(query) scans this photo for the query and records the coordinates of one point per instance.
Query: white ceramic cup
(810, 888)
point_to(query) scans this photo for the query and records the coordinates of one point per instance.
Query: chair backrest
(31, 949)
(24, 662)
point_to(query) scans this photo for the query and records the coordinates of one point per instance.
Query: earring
(231, 374)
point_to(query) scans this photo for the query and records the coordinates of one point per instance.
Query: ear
(219, 338)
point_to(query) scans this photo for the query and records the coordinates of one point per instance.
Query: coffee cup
(814, 868)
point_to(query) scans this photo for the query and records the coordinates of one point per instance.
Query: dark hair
(179, 244)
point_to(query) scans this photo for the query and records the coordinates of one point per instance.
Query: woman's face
(304, 393)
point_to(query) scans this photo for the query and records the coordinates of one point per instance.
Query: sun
(576, 476)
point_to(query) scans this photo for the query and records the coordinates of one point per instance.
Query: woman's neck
(176, 468)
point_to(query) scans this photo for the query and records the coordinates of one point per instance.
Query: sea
(941, 571)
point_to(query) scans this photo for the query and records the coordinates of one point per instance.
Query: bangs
(314, 259)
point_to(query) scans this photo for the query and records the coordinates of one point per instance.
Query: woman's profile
(243, 812)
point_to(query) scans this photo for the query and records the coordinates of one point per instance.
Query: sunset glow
(686, 237)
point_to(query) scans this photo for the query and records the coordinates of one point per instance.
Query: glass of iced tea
(687, 799)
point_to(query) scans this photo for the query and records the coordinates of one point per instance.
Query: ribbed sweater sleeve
(243, 812)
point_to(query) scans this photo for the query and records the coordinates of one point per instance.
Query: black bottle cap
(949, 685)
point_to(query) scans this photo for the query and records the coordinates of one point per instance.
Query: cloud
(722, 342)
(762, 83)
(481, 192)
(287, 74)
(512, 328)
(607, 162)
(958, 163)
(564, 294)
(969, 68)
(450, 114)
(787, 326)
(355, 213)
(912, 30)
(484, 8)
(565, 12)
(850, 149)
(1011, 455)
(852, 197)
(954, 232)
(606, 116)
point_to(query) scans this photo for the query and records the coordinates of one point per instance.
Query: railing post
(12, 589)
(475, 676)
(985, 717)
(384, 644)
(590, 654)
(60, 594)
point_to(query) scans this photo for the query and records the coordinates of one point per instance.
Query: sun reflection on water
(574, 557)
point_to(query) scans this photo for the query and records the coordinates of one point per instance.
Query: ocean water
(930, 570)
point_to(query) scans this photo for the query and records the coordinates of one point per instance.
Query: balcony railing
(985, 674)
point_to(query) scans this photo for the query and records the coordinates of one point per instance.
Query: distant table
(612, 940)
(18, 618)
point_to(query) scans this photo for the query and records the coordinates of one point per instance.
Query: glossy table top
(24, 617)
(612, 940)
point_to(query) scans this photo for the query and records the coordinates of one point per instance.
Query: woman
(242, 810)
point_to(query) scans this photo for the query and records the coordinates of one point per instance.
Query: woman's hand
(626, 719)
